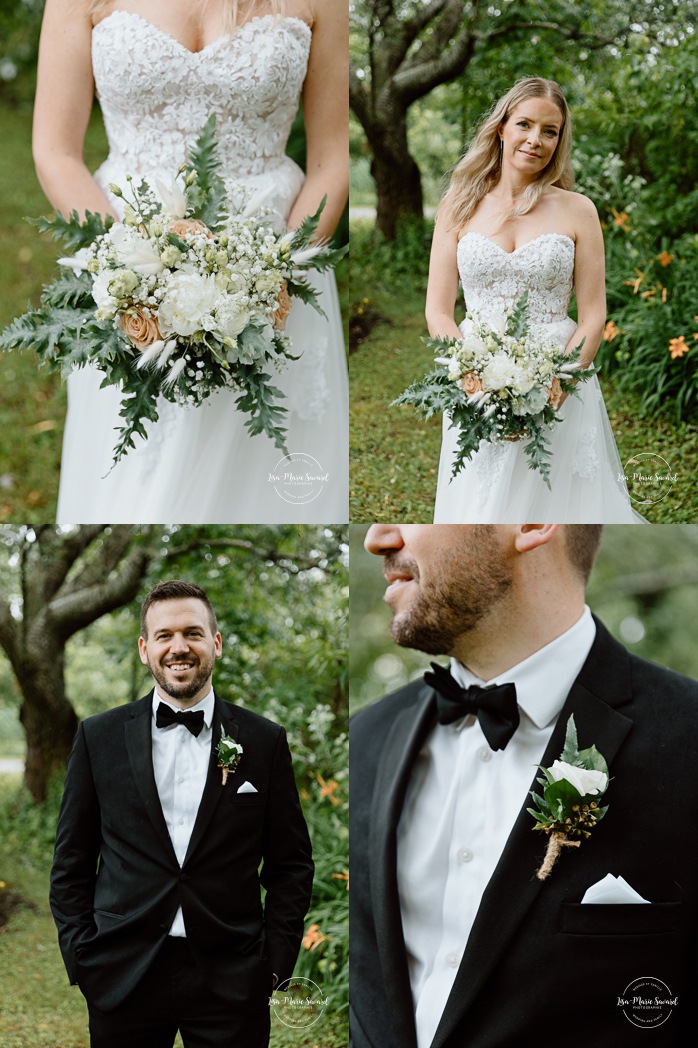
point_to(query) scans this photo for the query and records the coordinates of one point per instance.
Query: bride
(160, 68)
(510, 223)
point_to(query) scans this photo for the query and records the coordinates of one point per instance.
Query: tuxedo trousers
(173, 995)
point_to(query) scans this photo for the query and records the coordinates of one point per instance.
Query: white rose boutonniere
(569, 808)
(229, 753)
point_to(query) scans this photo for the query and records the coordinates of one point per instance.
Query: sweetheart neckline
(489, 240)
(207, 47)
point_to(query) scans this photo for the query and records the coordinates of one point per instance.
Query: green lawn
(38, 1007)
(395, 453)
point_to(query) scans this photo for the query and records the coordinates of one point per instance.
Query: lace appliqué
(311, 393)
(489, 463)
(586, 461)
(493, 279)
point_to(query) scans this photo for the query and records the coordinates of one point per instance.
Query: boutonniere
(569, 808)
(229, 754)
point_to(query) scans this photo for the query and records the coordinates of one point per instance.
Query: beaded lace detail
(494, 279)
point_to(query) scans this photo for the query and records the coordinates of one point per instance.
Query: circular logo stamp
(648, 477)
(647, 1002)
(298, 1003)
(298, 478)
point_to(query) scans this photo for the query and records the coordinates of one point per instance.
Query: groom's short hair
(582, 542)
(176, 589)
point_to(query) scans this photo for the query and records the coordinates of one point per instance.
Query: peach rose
(189, 225)
(471, 383)
(284, 308)
(555, 393)
(140, 329)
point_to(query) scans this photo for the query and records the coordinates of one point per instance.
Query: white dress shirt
(460, 807)
(180, 764)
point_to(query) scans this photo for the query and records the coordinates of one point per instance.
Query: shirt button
(484, 754)
(465, 855)
(180, 779)
(452, 960)
(181, 822)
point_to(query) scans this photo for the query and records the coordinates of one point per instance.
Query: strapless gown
(496, 485)
(200, 465)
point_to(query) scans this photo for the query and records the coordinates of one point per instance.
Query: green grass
(38, 1007)
(32, 402)
(395, 453)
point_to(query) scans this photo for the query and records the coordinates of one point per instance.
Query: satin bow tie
(495, 707)
(165, 716)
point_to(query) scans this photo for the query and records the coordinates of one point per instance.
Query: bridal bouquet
(499, 382)
(189, 295)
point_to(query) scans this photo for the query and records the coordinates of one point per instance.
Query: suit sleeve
(74, 870)
(287, 870)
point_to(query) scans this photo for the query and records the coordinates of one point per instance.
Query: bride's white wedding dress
(496, 485)
(200, 465)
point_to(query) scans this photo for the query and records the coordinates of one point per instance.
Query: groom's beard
(203, 668)
(452, 602)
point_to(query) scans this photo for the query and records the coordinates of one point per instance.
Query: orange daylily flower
(665, 258)
(635, 284)
(664, 294)
(621, 220)
(343, 876)
(647, 294)
(678, 347)
(313, 937)
(328, 789)
(611, 331)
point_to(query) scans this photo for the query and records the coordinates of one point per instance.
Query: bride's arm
(64, 94)
(589, 281)
(442, 288)
(326, 118)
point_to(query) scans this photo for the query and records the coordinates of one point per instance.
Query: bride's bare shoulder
(578, 203)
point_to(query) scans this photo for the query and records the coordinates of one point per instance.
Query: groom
(159, 863)
(455, 943)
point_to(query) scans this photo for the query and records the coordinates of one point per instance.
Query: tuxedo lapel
(402, 746)
(138, 734)
(213, 788)
(513, 886)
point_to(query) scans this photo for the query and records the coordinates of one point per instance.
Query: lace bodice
(156, 95)
(494, 279)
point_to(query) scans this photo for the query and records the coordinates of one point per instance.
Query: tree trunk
(48, 718)
(395, 172)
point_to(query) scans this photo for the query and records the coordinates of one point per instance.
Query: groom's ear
(142, 651)
(531, 536)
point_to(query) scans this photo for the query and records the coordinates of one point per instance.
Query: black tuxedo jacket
(538, 965)
(116, 883)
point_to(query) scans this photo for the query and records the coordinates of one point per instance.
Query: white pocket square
(247, 787)
(612, 889)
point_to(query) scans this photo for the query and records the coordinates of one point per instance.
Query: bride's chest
(545, 263)
(139, 68)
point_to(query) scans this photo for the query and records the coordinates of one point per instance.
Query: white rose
(100, 290)
(230, 319)
(535, 400)
(188, 301)
(521, 381)
(499, 372)
(455, 369)
(586, 783)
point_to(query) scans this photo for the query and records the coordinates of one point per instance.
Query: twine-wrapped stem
(556, 842)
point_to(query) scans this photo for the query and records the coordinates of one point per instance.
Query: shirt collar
(544, 679)
(205, 704)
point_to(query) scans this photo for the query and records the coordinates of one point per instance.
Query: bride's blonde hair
(234, 9)
(479, 170)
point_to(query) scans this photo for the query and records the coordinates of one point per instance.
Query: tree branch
(274, 556)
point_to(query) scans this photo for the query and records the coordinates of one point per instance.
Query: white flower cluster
(504, 375)
(188, 298)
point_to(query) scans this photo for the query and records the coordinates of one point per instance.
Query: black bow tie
(495, 707)
(165, 716)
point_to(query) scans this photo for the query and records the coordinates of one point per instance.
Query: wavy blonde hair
(235, 8)
(480, 168)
